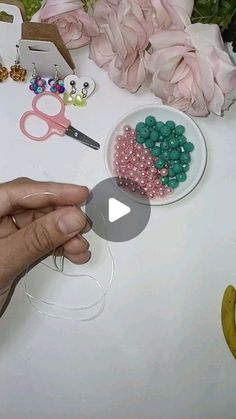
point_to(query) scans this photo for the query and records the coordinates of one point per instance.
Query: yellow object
(228, 318)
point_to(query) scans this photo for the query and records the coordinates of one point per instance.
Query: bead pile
(152, 159)
(56, 86)
(37, 85)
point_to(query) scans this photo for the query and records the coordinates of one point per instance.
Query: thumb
(39, 238)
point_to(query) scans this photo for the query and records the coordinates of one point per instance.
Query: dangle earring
(17, 73)
(37, 84)
(3, 73)
(56, 84)
(81, 99)
(69, 98)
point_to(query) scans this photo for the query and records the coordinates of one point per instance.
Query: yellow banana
(228, 318)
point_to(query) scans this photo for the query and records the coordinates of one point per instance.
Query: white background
(157, 351)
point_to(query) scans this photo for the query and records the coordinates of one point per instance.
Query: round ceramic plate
(193, 134)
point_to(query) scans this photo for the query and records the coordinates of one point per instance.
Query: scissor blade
(84, 139)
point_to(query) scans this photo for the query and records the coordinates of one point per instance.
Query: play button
(115, 215)
(117, 210)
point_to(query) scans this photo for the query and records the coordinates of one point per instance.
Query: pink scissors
(57, 124)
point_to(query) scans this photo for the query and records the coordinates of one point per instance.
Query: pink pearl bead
(163, 172)
(127, 128)
(161, 193)
(149, 186)
(133, 133)
(169, 190)
(119, 138)
(157, 182)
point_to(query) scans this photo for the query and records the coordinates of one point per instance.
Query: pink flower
(74, 24)
(167, 14)
(191, 70)
(123, 37)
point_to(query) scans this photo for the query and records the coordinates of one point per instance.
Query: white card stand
(10, 33)
(45, 56)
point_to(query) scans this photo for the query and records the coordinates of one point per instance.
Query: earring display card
(10, 30)
(42, 45)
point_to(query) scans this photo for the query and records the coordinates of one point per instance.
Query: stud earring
(37, 84)
(17, 73)
(56, 84)
(3, 73)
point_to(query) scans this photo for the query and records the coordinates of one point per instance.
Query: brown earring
(3, 73)
(17, 73)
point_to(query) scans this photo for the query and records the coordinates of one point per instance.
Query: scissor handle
(57, 124)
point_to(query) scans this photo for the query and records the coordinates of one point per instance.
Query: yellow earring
(3, 73)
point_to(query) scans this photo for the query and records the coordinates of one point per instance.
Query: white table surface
(157, 351)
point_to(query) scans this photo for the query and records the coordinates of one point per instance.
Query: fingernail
(70, 223)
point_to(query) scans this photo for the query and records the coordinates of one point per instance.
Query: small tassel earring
(17, 73)
(37, 84)
(3, 73)
(56, 84)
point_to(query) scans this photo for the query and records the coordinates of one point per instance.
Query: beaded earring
(74, 98)
(17, 73)
(3, 73)
(37, 84)
(56, 84)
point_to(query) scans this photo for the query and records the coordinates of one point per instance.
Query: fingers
(77, 250)
(27, 193)
(26, 246)
(76, 245)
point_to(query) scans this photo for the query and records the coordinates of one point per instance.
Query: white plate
(193, 134)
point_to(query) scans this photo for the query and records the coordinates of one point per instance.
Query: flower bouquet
(175, 47)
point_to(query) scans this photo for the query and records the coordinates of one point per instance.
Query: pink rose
(74, 24)
(123, 37)
(167, 14)
(191, 70)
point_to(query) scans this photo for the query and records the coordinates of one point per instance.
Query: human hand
(45, 219)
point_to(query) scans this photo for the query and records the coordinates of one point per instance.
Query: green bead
(171, 172)
(170, 124)
(185, 157)
(185, 167)
(160, 164)
(159, 125)
(165, 131)
(154, 136)
(149, 143)
(145, 132)
(181, 177)
(140, 126)
(174, 155)
(150, 121)
(164, 146)
(173, 183)
(177, 168)
(165, 155)
(182, 140)
(188, 147)
(179, 129)
(140, 139)
(164, 180)
(161, 138)
(173, 142)
(156, 151)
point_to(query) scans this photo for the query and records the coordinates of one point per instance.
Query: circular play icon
(115, 217)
